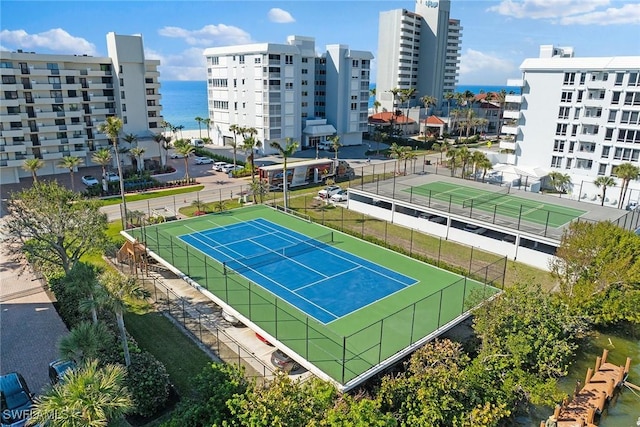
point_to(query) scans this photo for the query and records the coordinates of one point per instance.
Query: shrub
(68, 302)
(148, 383)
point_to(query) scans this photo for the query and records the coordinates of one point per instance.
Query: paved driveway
(30, 327)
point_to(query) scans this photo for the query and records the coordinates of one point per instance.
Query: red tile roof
(434, 120)
(387, 116)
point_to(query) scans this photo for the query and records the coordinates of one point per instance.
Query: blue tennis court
(310, 274)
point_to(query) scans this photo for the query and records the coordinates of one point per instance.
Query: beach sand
(186, 134)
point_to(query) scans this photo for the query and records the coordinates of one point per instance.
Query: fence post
(411, 244)
(200, 325)
(546, 224)
(439, 250)
(519, 217)
(168, 302)
(188, 269)
(386, 226)
(470, 261)
(344, 356)
(440, 309)
(362, 222)
(381, 334)
(184, 315)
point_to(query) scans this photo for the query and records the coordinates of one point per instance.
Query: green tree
(112, 128)
(335, 144)
(199, 120)
(33, 165)
(627, 172)
(207, 122)
(83, 278)
(378, 137)
(185, 150)
(559, 181)
(448, 97)
(286, 152)
(235, 129)
(86, 341)
(604, 182)
(357, 411)
(70, 163)
(396, 152)
(249, 146)
(159, 139)
(429, 101)
(259, 188)
(54, 225)
(598, 267)
(453, 155)
(478, 158)
(120, 290)
(408, 155)
(207, 406)
(103, 158)
(137, 153)
(199, 205)
(464, 154)
(89, 397)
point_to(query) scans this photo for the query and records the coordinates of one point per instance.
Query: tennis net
(241, 265)
(485, 198)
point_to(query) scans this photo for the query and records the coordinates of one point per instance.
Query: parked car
(58, 368)
(176, 156)
(231, 168)
(329, 191)
(280, 360)
(340, 196)
(112, 177)
(16, 400)
(89, 180)
(197, 142)
(217, 166)
(474, 229)
(433, 218)
(203, 160)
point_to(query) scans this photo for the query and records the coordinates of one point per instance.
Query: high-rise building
(288, 91)
(52, 105)
(577, 116)
(417, 50)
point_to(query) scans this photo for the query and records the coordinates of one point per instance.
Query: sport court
(343, 304)
(318, 279)
(498, 202)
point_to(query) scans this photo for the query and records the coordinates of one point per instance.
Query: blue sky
(497, 34)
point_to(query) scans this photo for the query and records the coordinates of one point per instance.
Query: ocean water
(183, 101)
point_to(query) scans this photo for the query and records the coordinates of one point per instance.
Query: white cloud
(187, 65)
(546, 9)
(55, 40)
(209, 35)
(280, 16)
(627, 14)
(485, 68)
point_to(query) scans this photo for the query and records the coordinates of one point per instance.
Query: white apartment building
(419, 50)
(288, 91)
(579, 116)
(52, 105)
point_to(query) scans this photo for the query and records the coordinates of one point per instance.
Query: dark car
(58, 368)
(16, 400)
(282, 361)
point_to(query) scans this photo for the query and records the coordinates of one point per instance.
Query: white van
(324, 145)
(197, 142)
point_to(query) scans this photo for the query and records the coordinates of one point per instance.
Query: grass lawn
(181, 356)
(152, 195)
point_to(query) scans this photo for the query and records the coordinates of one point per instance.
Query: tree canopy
(55, 226)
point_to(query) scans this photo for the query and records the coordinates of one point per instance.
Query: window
(151, 91)
(615, 98)
(11, 80)
(569, 78)
(612, 116)
(572, 144)
(151, 102)
(634, 79)
(608, 134)
(630, 117)
(304, 83)
(235, 105)
(235, 82)
(566, 96)
(602, 169)
(305, 60)
(304, 93)
(257, 60)
(584, 164)
(632, 98)
(556, 161)
(223, 105)
(122, 94)
(558, 146)
(574, 130)
(214, 60)
(619, 78)
(305, 71)
(580, 94)
(583, 77)
(629, 135)
(355, 63)
(568, 166)
(561, 129)
(288, 59)
(354, 106)
(288, 85)
(564, 112)
(219, 82)
(241, 59)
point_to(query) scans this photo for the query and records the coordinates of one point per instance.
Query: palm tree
(120, 289)
(160, 140)
(428, 101)
(85, 341)
(130, 139)
(449, 96)
(335, 144)
(485, 164)
(626, 172)
(179, 128)
(376, 105)
(396, 94)
(455, 115)
(500, 98)
(453, 156)
(407, 154)
(249, 145)
(185, 150)
(477, 158)
(285, 152)
(199, 120)
(559, 181)
(70, 163)
(137, 153)
(112, 127)
(103, 158)
(83, 279)
(379, 137)
(199, 205)
(407, 94)
(236, 130)
(464, 154)
(207, 122)
(32, 165)
(89, 397)
(604, 182)
(396, 152)
(261, 188)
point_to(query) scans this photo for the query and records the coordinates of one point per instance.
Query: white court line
(285, 257)
(325, 279)
(532, 210)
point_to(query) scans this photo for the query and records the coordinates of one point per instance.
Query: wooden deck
(601, 382)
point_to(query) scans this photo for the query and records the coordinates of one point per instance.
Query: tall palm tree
(429, 101)
(407, 94)
(119, 290)
(396, 152)
(335, 144)
(261, 188)
(103, 158)
(453, 118)
(379, 137)
(179, 128)
(453, 156)
(85, 341)
(185, 150)
(448, 97)
(70, 163)
(159, 139)
(112, 127)
(130, 139)
(501, 99)
(249, 146)
(477, 158)
(626, 172)
(89, 397)
(464, 154)
(559, 181)
(83, 279)
(207, 122)
(396, 96)
(236, 130)
(376, 106)
(32, 165)
(604, 182)
(137, 153)
(407, 155)
(285, 152)
(485, 164)
(199, 120)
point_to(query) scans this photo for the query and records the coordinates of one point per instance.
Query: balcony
(515, 82)
(507, 145)
(16, 148)
(51, 156)
(10, 102)
(511, 114)
(515, 99)
(510, 129)
(13, 133)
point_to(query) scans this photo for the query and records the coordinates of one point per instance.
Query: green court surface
(354, 343)
(498, 202)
